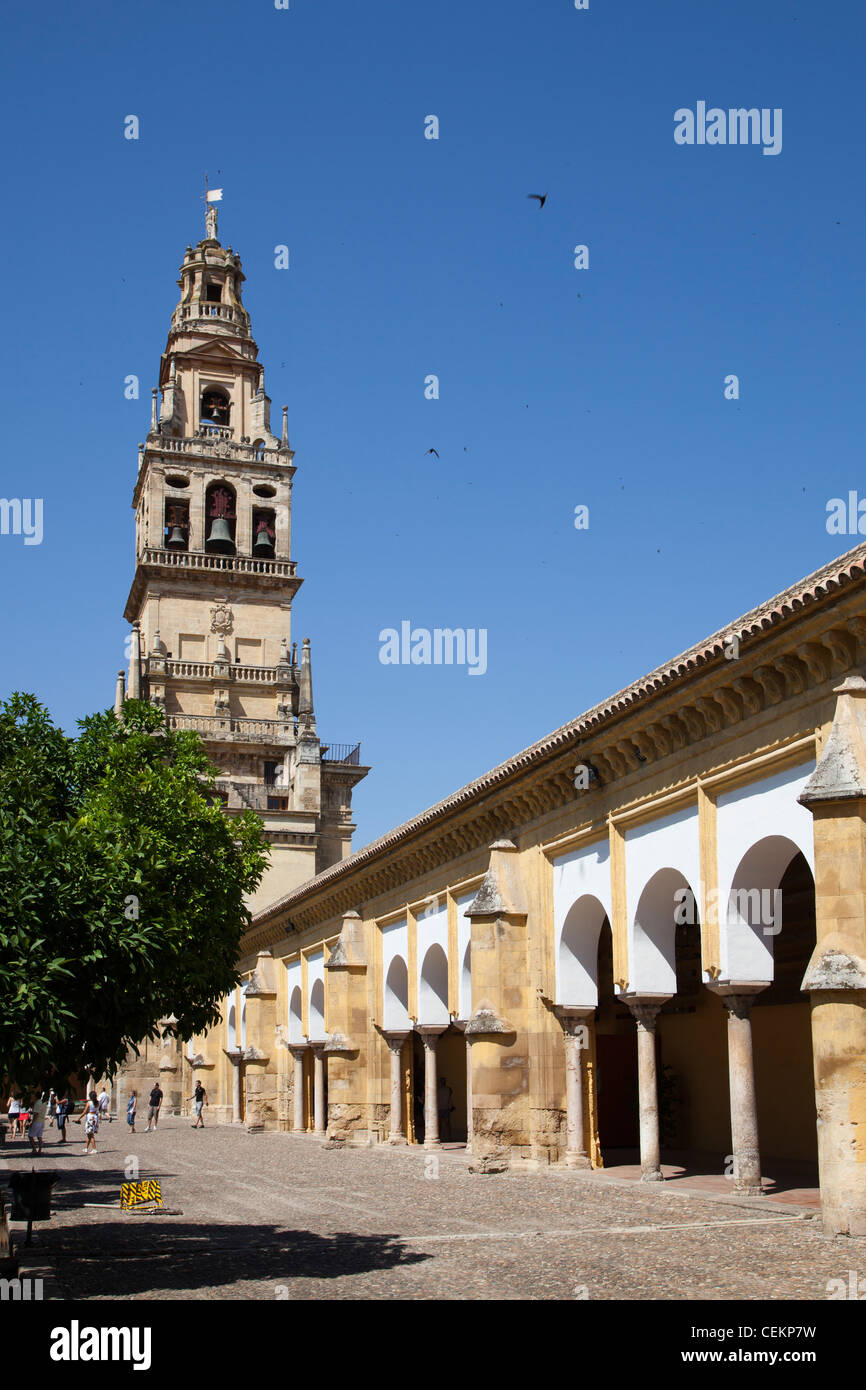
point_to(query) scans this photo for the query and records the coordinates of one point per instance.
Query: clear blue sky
(410, 257)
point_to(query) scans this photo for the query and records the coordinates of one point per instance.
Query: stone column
(429, 1037)
(297, 1050)
(397, 1134)
(738, 999)
(645, 1008)
(836, 975)
(235, 1058)
(320, 1119)
(574, 1026)
(469, 1093)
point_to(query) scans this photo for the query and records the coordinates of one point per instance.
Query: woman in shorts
(91, 1123)
(131, 1107)
(13, 1111)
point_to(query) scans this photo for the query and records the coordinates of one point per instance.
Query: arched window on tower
(214, 408)
(221, 515)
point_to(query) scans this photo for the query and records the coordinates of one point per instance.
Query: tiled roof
(845, 570)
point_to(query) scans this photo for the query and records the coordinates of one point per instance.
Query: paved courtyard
(270, 1216)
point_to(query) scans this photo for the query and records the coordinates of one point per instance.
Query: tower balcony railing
(203, 446)
(201, 560)
(220, 726)
(204, 670)
(205, 309)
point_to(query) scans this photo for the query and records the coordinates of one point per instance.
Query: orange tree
(121, 888)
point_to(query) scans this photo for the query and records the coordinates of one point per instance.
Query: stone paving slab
(274, 1216)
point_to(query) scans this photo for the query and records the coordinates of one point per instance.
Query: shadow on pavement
(128, 1255)
(141, 1256)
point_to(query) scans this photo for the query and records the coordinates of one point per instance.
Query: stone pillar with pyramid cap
(836, 975)
(499, 1025)
(346, 1047)
(260, 993)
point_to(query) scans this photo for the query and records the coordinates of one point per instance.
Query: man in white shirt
(104, 1102)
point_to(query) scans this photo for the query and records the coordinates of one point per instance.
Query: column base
(652, 1175)
(748, 1189)
(577, 1160)
(396, 1140)
(432, 1144)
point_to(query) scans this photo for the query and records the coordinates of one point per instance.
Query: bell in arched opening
(263, 546)
(176, 522)
(220, 508)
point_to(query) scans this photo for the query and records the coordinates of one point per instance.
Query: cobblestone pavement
(278, 1216)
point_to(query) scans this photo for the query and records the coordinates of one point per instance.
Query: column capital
(297, 1049)
(644, 1008)
(430, 1030)
(738, 996)
(573, 1018)
(235, 1055)
(395, 1038)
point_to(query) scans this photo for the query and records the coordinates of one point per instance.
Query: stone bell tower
(211, 600)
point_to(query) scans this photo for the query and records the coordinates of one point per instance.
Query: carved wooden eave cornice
(787, 648)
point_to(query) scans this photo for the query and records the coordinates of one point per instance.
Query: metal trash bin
(31, 1197)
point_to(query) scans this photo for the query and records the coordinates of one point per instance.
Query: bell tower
(211, 600)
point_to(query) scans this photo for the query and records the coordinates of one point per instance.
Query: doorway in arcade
(450, 1077)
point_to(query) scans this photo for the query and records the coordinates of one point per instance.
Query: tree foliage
(121, 888)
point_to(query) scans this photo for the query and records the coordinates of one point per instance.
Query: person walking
(199, 1098)
(52, 1106)
(63, 1108)
(37, 1124)
(104, 1102)
(153, 1108)
(13, 1112)
(131, 1107)
(24, 1114)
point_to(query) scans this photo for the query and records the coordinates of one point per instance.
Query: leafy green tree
(122, 888)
